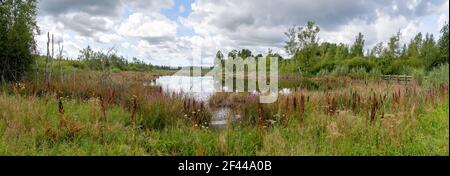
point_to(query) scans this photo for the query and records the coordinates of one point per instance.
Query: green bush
(322, 66)
(158, 114)
(404, 67)
(359, 73)
(419, 75)
(340, 71)
(438, 76)
(358, 63)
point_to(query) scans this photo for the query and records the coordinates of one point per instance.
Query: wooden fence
(398, 78)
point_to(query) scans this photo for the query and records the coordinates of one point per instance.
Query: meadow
(102, 103)
(116, 113)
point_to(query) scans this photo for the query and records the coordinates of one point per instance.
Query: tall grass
(120, 115)
(438, 76)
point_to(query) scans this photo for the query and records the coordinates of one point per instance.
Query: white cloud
(146, 6)
(155, 27)
(181, 9)
(139, 28)
(107, 37)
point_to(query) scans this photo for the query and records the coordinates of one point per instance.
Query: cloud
(256, 23)
(100, 7)
(94, 8)
(145, 6)
(85, 24)
(152, 30)
(181, 9)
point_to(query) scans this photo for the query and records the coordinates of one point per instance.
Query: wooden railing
(397, 78)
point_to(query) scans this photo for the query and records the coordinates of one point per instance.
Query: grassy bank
(31, 126)
(118, 114)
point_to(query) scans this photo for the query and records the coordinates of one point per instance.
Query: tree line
(309, 56)
(17, 30)
(422, 53)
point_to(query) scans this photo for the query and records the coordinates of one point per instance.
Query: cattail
(261, 116)
(246, 114)
(60, 107)
(285, 120)
(295, 102)
(374, 108)
(302, 107)
(111, 96)
(287, 104)
(103, 108)
(331, 104)
(133, 112)
(333, 109)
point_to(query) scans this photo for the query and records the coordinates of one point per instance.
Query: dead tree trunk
(52, 57)
(60, 58)
(47, 59)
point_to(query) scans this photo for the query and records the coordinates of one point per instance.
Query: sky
(165, 32)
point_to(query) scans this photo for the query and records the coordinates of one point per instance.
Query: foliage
(17, 29)
(309, 57)
(438, 76)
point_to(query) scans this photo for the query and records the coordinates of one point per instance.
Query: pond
(202, 88)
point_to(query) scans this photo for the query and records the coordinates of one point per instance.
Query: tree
(17, 44)
(429, 52)
(393, 49)
(443, 45)
(291, 46)
(233, 54)
(414, 46)
(86, 53)
(302, 38)
(245, 53)
(219, 60)
(308, 36)
(357, 49)
(341, 52)
(302, 44)
(377, 50)
(219, 55)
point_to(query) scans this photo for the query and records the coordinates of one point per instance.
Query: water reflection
(200, 88)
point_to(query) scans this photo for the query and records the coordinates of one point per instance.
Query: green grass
(416, 123)
(24, 122)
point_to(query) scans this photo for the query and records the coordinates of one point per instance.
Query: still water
(200, 88)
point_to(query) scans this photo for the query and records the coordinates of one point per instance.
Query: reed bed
(119, 114)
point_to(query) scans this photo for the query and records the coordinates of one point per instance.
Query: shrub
(404, 67)
(375, 73)
(358, 63)
(438, 76)
(323, 72)
(160, 113)
(419, 75)
(340, 71)
(323, 66)
(359, 73)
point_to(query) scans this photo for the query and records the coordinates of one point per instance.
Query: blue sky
(165, 32)
(181, 8)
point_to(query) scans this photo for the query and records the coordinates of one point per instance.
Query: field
(354, 79)
(97, 113)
